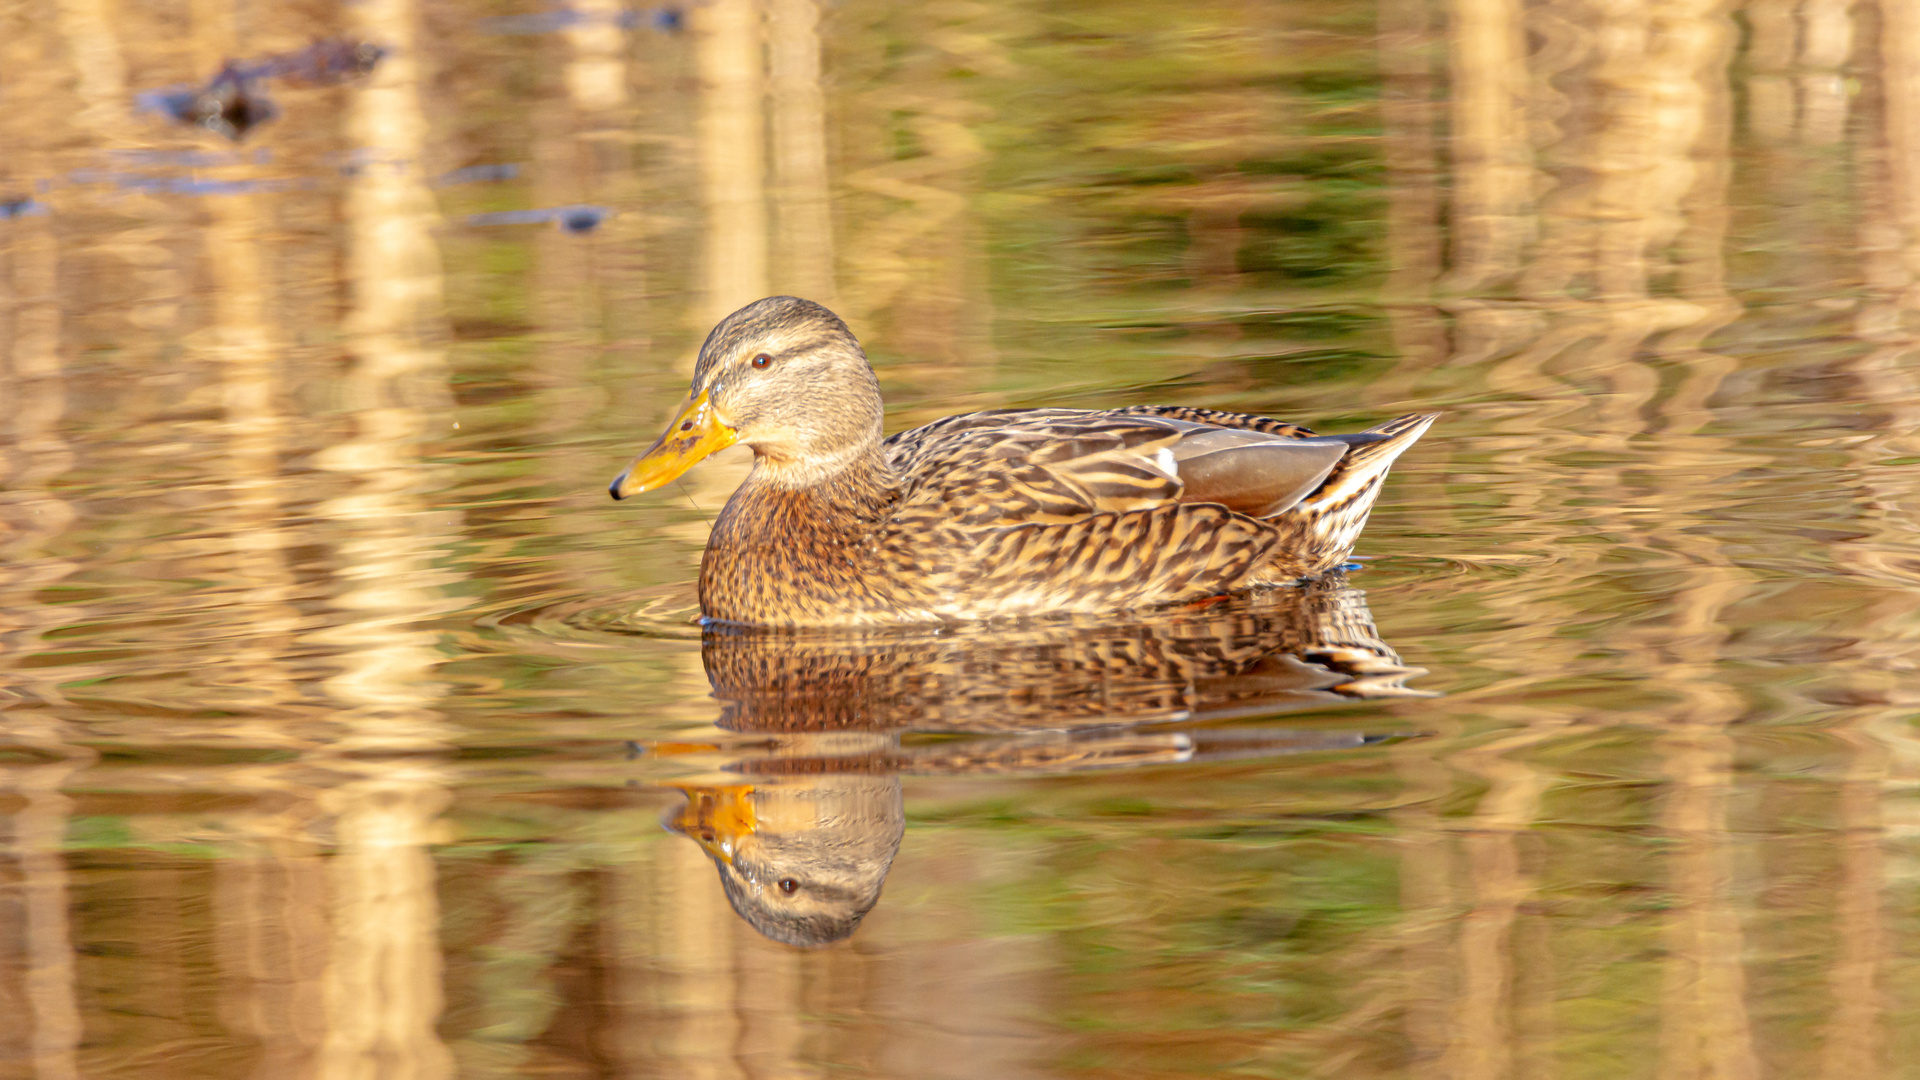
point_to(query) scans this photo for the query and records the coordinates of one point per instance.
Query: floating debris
(182, 185)
(185, 185)
(322, 63)
(478, 174)
(580, 219)
(235, 100)
(232, 103)
(21, 206)
(573, 219)
(185, 159)
(667, 20)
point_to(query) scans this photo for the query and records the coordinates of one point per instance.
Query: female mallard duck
(1008, 512)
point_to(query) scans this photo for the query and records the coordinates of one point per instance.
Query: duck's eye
(763, 361)
(789, 886)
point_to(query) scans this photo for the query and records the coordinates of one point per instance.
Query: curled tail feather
(1319, 531)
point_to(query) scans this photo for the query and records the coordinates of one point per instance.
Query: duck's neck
(856, 485)
(789, 539)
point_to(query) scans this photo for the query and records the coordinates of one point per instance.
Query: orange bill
(696, 431)
(717, 818)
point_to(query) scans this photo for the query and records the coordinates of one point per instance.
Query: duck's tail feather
(1323, 526)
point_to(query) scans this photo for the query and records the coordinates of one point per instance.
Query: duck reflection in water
(811, 816)
(801, 859)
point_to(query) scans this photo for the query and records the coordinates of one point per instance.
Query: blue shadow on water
(478, 174)
(667, 20)
(573, 219)
(21, 206)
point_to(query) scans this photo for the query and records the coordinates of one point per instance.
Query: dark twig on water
(235, 100)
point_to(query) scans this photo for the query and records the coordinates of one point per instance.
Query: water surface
(350, 730)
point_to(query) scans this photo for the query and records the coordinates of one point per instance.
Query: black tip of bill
(613, 489)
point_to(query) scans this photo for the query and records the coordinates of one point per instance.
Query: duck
(995, 514)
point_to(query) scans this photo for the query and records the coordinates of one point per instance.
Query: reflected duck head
(782, 375)
(801, 859)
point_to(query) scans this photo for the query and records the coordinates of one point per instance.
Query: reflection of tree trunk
(541, 906)
(271, 896)
(732, 154)
(1699, 249)
(272, 944)
(804, 246)
(697, 988)
(1426, 898)
(34, 392)
(382, 980)
(1892, 240)
(1880, 742)
(241, 344)
(915, 279)
(88, 27)
(1704, 1026)
(732, 134)
(774, 1037)
(1853, 1037)
(566, 300)
(1483, 1043)
(1630, 256)
(1492, 161)
(1888, 162)
(1705, 1032)
(39, 839)
(1658, 104)
(596, 73)
(381, 987)
(1826, 46)
(1414, 241)
(1770, 47)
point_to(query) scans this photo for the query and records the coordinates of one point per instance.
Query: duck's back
(1052, 466)
(1060, 509)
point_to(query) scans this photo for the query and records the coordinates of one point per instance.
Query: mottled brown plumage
(1268, 652)
(809, 815)
(1012, 512)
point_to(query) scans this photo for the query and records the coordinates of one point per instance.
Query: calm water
(351, 731)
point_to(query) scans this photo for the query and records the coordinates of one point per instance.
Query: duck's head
(802, 859)
(782, 375)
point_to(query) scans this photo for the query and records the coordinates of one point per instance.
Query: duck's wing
(1057, 466)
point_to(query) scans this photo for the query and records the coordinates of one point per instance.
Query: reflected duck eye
(763, 361)
(789, 886)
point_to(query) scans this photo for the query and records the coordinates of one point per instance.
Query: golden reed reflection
(802, 845)
(38, 960)
(728, 43)
(1591, 154)
(1558, 223)
(381, 985)
(803, 252)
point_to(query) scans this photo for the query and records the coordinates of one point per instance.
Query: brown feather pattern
(1269, 650)
(1025, 512)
